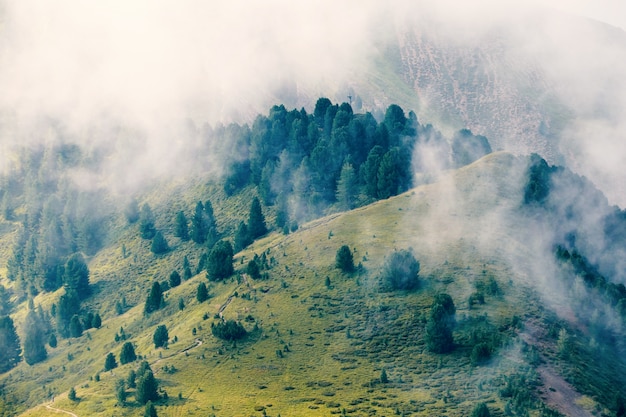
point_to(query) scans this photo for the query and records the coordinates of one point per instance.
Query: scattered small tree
(202, 294)
(174, 279)
(159, 244)
(160, 337)
(110, 362)
(127, 354)
(71, 395)
(401, 271)
(344, 259)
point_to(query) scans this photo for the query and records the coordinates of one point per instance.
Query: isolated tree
(440, 324)
(401, 271)
(344, 259)
(150, 411)
(147, 229)
(110, 362)
(147, 388)
(34, 349)
(76, 276)
(346, 187)
(71, 395)
(10, 348)
(127, 354)
(174, 279)
(186, 269)
(256, 220)
(160, 337)
(76, 327)
(253, 269)
(383, 376)
(155, 299)
(159, 244)
(97, 321)
(202, 293)
(220, 261)
(52, 340)
(132, 211)
(181, 303)
(182, 226)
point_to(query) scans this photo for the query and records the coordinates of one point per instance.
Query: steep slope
(317, 346)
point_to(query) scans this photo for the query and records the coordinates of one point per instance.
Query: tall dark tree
(110, 362)
(155, 298)
(159, 244)
(220, 261)
(202, 293)
(10, 349)
(256, 220)
(440, 324)
(127, 354)
(369, 170)
(344, 259)
(67, 307)
(242, 237)
(182, 226)
(147, 227)
(76, 276)
(160, 336)
(34, 345)
(186, 269)
(346, 187)
(174, 279)
(76, 327)
(147, 388)
(199, 225)
(150, 411)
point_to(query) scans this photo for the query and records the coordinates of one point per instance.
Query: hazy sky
(150, 65)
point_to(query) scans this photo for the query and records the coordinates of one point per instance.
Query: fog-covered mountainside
(486, 283)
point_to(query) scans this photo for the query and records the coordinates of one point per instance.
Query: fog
(153, 69)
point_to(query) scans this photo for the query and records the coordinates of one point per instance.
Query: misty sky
(150, 65)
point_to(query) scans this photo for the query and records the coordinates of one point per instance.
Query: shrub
(401, 271)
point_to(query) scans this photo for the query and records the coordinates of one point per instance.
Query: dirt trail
(556, 392)
(58, 410)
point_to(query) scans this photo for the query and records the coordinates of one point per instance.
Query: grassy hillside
(316, 349)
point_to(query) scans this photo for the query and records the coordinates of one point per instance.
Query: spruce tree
(202, 294)
(155, 299)
(110, 362)
(146, 222)
(182, 227)
(344, 259)
(120, 392)
(159, 244)
(132, 211)
(127, 354)
(10, 349)
(160, 336)
(97, 321)
(76, 276)
(76, 327)
(242, 237)
(34, 349)
(346, 187)
(147, 388)
(256, 220)
(174, 279)
(199, 227)
(187, 274)
(440, 323)
(220, 261)
(150, 411)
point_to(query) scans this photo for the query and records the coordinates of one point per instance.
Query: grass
(311, 350)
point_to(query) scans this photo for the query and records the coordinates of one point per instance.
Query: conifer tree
(440, 323)
(256, 220)
(10, 349)
(147, 388)
(127, 354)
(242, 237)
(76, 276)
(174, 279)
(220, 261)
(155, 299)
(186, 269)
(346, 187)
(199, 227)
(110, 362)
(344, 259)
(159, 244)
(182, 227)
(132, 211)
(202, 294)
(76, 327)
(146, 222)
(160, 336)
(34, 340)
(150, 411)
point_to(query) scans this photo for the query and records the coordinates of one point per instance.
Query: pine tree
(440, 323)
(182, 227)
(76, 276)
(155, 299)
(186, 269)
(76, 327)
(199, 227)
(346, 187)
(52, 340)
(110, 362)
(220, 261)
(146, 222)
(160, 336)
(71, 395)
(10, 349)
(159, 244)
(481, 410)
(120, 392)
(127, 354)
(256, 220)
(97, 321)
(242, 237)
(174, 279)
(147, 388)
(150, 411)
(344, 259)
(202, 294)
(34, 349)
